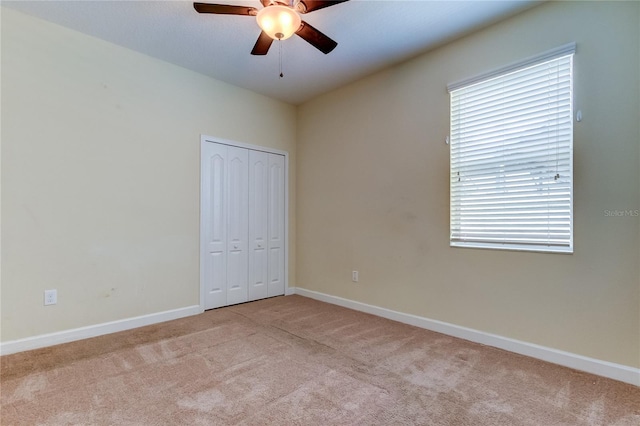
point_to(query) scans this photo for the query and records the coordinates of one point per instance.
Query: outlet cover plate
(50, 297)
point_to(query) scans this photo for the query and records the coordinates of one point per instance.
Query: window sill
(514, 247)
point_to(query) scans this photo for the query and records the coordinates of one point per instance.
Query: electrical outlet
(354, 276)
(50, 297)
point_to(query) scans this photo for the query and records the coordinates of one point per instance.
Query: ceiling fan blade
(262, 44)
(265, 3)
(306, 6)
(225, 9)
(316, 38)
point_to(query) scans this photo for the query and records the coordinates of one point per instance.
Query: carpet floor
(296, 361)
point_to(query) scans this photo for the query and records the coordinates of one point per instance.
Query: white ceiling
(371, 35)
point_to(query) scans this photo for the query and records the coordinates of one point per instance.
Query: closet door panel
(276, 224)
(258, 222)
(237, 196)
(215, 225)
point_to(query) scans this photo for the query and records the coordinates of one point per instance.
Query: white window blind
(511, 158)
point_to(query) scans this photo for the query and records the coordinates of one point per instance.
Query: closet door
(258, 224)
(276, 225)
(242, 225)
(214, 224)
(237, 225)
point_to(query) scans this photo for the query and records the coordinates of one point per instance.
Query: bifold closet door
(266, 225)
(243, 224)
(237, 225)
(225, 224)
(258, 225)
(276, 225)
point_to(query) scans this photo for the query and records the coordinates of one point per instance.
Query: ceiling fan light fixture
(278, 22)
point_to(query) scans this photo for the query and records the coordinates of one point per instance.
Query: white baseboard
(611, 370)
(66, 336)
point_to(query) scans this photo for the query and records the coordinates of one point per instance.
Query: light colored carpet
(296, 361)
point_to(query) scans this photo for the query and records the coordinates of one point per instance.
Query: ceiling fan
(279, 20)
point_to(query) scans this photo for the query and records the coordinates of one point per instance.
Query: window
(512, 156)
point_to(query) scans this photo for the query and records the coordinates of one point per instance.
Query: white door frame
(204, 139)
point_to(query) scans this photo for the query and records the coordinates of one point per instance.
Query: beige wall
(100, 175)
(373, 191)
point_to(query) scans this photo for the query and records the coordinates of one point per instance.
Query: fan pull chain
(280, 57)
